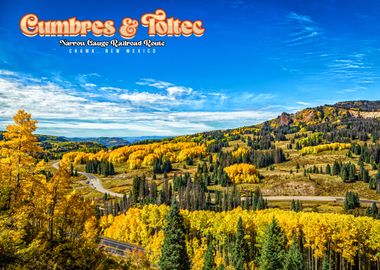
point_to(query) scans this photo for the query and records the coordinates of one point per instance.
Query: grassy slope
(276, 182)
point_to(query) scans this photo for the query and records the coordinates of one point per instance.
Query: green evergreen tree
(372, 183)
(344, 174)
(326, 263)
(71, 169)
(351, 172)
(111, 168)
(296, 206)
(240, 248)
(372, 211)
(361, 171)
(328, 169)
(209, 263)
(173, 252)
(351, 201)
(136, 189)
(336, 168)
(294, 259)
(273, 248)
(258, 201)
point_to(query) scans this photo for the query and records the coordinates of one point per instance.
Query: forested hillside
(296, 192)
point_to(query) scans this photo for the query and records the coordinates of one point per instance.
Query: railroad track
(117, 247)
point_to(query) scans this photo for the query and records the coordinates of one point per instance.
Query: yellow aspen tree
(56, 189)
(17, 151)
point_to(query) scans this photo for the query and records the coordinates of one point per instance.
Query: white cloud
(169, 87)
(49, 100)
(304, 29)
(142, 97)
(300, 18)
(109, 111)
(303, 103)
(154, 83)
(355, 69)
(178, 90)
(111, 89)
(89, 85)
(7, 73)
(225, 116)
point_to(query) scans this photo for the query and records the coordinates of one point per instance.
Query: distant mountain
(106, 141)
(50, 138)
(317, 115)
(116, 141)
(145, 138)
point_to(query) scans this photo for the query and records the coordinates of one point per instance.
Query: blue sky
(255, 60)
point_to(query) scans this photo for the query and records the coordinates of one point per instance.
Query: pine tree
(273, 248)
(351, 201)
(336, 168)
(136, 189)
(372, 211)
(294, 259)
(328, 169)
(351, 172)
(372, 183)
(209, 263)
(326, 263)
(173, 252)
(240, 249)
(344, 174)
(258, 201)
(111, 168)
(363, 174)
(71, 169)
(296, 206)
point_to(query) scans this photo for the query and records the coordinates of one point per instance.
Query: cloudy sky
(255, 60)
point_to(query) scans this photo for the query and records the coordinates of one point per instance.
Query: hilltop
(330, 113)
(322, 151)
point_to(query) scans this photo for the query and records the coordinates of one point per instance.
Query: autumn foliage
(242, 173)
(41, 218)
(324, 147)
(346, 235)
(144, 155)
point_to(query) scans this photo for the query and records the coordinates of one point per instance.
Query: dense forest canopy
(206, 195)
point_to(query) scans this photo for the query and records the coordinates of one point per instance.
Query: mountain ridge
(330, 113)
(311, 115)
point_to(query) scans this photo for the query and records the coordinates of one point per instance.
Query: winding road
(95, 183)
(315, 199)
(120, 248)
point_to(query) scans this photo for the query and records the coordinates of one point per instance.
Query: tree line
(104, 168)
